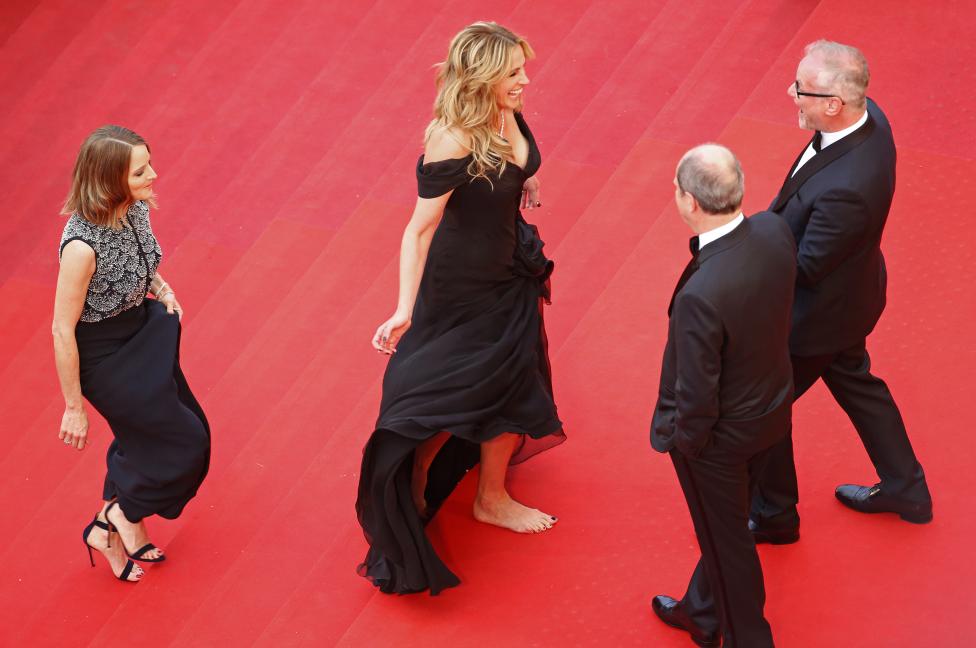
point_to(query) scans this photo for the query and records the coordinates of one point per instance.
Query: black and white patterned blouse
(125, 261)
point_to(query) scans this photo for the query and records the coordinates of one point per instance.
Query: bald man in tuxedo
(726, 392)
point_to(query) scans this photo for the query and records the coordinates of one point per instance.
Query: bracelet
(162, 286)
(161, 295)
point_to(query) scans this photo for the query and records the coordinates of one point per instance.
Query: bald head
(713, 175)
(841, 70)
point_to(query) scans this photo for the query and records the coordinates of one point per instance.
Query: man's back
(748, 278)
(730, 327)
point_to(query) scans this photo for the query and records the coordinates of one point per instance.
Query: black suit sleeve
(838, 224)
(699, 335)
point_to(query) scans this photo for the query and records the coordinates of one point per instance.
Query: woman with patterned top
(468, 380)
(121, 351)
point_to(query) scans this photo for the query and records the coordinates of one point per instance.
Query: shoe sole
(785, 540)
(914, 518)
(698, 642)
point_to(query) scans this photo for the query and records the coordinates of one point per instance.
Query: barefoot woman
(121, 351)
(469, 381)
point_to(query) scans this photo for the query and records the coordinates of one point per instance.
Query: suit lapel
(717, 246)
(789, 174)
(689, 270)
(820, 160)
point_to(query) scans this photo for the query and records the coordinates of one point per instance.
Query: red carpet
(285, 135)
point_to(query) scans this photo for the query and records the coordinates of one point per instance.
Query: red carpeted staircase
(285, 135)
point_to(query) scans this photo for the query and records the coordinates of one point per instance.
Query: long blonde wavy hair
(479, 58)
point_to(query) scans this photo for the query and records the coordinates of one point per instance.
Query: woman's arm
(157, 285)
(413, 255)
(164, 293)
(427, 213)
(77, 268)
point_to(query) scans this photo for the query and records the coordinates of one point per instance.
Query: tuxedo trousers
(726, 592)
(868, 403)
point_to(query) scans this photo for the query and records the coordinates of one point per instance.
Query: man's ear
(834, 106)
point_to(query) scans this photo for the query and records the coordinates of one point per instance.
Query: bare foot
(134, 535)
(98, 540)
(505, 512)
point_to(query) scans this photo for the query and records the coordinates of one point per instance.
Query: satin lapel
(820, 160)
(690, 269)
(789, 174)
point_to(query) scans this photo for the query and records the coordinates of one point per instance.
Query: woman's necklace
(501, 129)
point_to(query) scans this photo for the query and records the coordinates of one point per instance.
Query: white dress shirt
(713, 235)
(826, 139)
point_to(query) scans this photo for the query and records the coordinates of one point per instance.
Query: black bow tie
(817, 138)
(693, 245)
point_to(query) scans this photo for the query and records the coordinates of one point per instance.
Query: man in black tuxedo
(835, 200)
(726, 391)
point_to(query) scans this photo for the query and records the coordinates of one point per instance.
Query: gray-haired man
(836, 199)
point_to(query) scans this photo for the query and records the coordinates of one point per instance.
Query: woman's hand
(390, 332)
(74, 428)
(172, 306)
(531, 198)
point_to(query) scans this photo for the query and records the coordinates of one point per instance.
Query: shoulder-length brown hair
(100, 183)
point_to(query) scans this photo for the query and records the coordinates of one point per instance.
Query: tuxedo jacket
(836, 205)
(726, 377)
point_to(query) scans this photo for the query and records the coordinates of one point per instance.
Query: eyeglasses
(800, 93)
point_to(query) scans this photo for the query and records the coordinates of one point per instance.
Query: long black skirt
(476, 371)
(130, 373)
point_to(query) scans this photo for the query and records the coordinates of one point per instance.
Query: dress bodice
(473, 246)
(437, 178)
(125, 261)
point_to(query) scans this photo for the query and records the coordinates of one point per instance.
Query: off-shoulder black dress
(474, 363)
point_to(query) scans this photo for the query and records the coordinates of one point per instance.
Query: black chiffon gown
(474, 363)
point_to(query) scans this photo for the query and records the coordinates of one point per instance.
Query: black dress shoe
(774, 536)
(870, 499)
(668, 610)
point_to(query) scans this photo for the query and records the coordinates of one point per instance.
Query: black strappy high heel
(129, 565)
(143, 550)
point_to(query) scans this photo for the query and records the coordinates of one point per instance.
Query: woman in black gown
(469, 381)
(121, 351)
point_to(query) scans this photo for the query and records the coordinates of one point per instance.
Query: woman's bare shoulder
(77, 254)
(446, 142)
